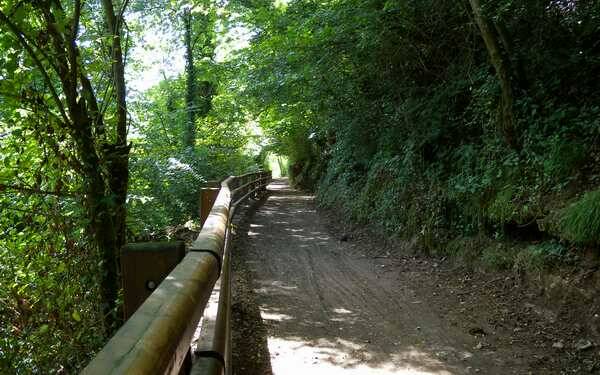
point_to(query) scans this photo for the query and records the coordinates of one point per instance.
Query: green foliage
(279, 165)
(399, 127)
(565, 156)
(542, 256)
(49, 275)
(51, 318)
(580, 222)
(390, 110)
(498, 257)
(53, 140)
(166, 176)
(488, 254)
(482, 252)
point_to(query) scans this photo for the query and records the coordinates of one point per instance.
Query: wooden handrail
(214, 347)
(157, 337)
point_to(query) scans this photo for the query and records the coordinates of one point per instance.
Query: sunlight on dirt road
(324, 308)
(297, 357)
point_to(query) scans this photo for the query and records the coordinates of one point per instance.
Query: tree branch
(30, 190)
(72, 45)
(118, 70)
(19, 34)
(92, 103)
(106, 98)
(122, 13)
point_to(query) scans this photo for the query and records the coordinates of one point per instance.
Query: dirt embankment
(311, 298)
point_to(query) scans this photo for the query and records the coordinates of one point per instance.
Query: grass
(580, 222)
(488, 254)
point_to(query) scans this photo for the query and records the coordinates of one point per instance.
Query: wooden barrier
(143, 267)
(208, 195)
(157, 337)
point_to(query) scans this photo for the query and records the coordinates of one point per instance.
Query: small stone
(475, 331)
(558, 345)
(442, 355)
(479, 346)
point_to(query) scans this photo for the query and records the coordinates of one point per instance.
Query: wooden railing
(156, 339)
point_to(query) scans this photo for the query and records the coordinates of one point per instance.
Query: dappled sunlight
(296, 356)
(276, 198)
(265, 315)
(321, 317)
(339, 343)
(276, 287)
(342, 311)
(176, 164)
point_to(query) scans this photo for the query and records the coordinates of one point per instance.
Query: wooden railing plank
(147, 341)
(157, 337)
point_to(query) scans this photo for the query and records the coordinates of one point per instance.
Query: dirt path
(307, 301)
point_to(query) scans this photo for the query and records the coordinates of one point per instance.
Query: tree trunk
(189, 137)
(117, 154)
(101, 211)
(103, 165)
(502, 68)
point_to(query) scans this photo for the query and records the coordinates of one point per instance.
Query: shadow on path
(305, 303)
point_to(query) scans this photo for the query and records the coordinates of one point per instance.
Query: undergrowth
(581, 221)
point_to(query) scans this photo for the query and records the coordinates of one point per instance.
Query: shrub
(541, 256)
(580, 222)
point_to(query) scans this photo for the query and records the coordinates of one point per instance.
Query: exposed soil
(311, 297)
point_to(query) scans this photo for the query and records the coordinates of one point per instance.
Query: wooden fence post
(144, 266)
(208, 195)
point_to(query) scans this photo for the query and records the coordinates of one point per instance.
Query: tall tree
(47, 34)
(198, 25)
(503, 72)
(189, 138)
(119, 151)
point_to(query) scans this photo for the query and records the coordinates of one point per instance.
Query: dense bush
(580, 222)
(166, 177)
(392, 110)
(50, 311)
(72, 192)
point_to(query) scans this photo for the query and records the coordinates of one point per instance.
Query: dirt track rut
(309, 302)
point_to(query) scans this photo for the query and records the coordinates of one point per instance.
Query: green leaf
(75, 315)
